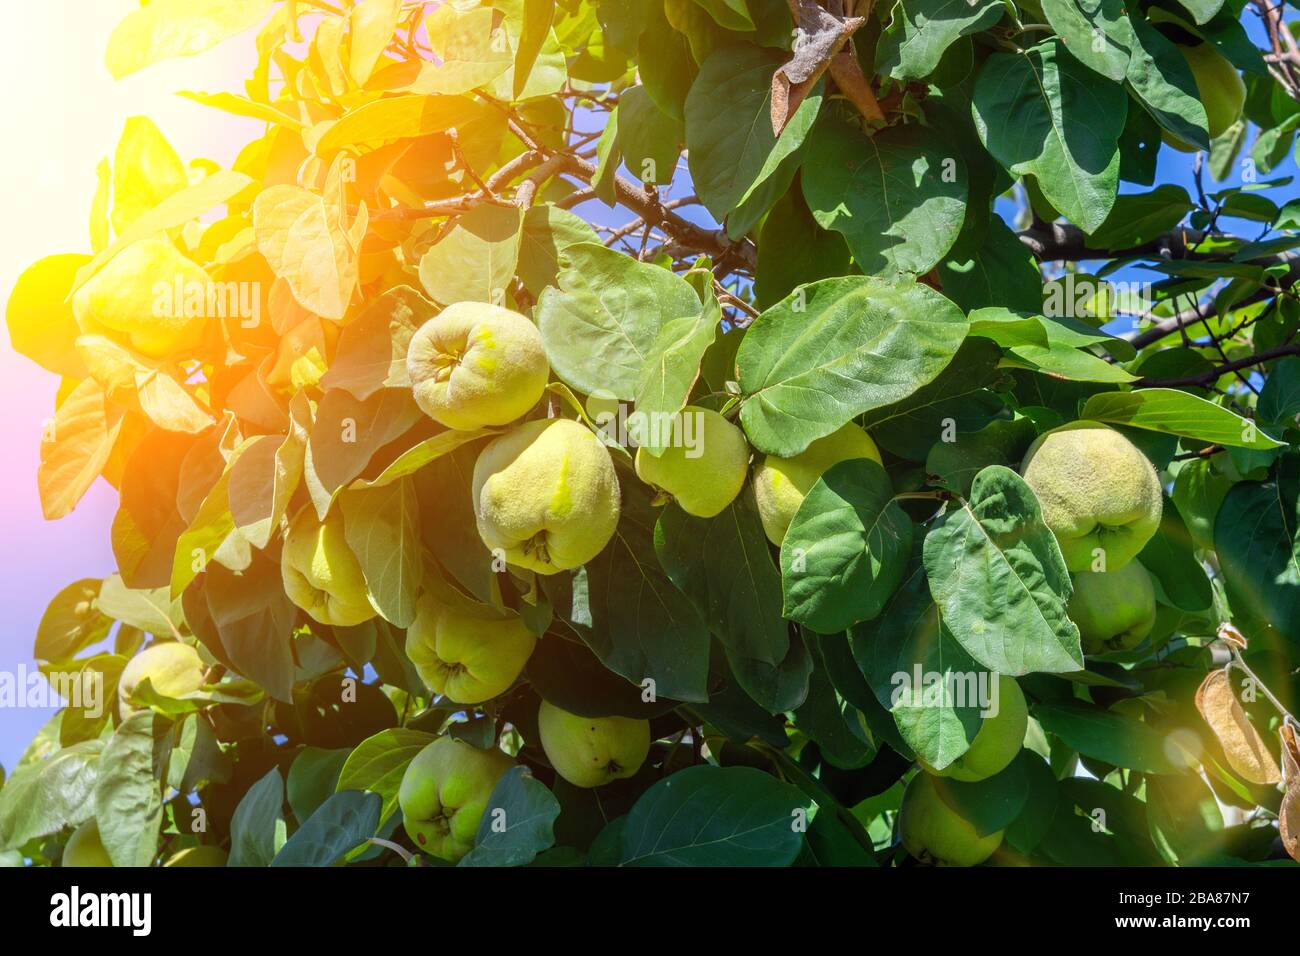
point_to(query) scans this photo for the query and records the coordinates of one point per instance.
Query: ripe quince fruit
(475, 364)
(704, 466)
(445, 792)
(935, 833)
(780, 484)
(174, 669)
(590, 751)
(998, 741)
(1115, 610)
(133, 295)
(469, 652)
(321, 574)
(1100, 495)
(546, 495)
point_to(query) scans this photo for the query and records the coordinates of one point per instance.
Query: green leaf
(257, 829)
(71, 622)
(518, 823)
(1141, 217)
(313, 776)
(991, 804)
(724, 565)
(379, 762)
(1257, 537)
(128, 797)
(46, 794)
(633, 617)
(1170, 558)
(343, 822)
(372, 348)
(835, 349)
(1174, 412)
(959, 397)
(836, 725)
(1044, 114)
(776, 688)
(670, 372)
(1107, 736)
(921, 30)
(1279, 399)
(898, 197)
(997, 573)
(476, 260)
(846, 549)
(731, 148)
(600, 325)
(1163, 82)
(548, 231)
(382, 526)
(714, 816)
(956, 463)
(648, 138)
(1098, 34)
(794, 250)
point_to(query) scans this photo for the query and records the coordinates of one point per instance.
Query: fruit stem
(1239, 661)
(401, 851)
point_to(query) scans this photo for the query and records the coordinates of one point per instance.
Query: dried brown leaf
(1241, 743)
(820, 34)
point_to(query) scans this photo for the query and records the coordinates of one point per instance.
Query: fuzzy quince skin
(546, 495)
(1099, 493)
(205, 856)
(173, 668)
(469, 654)
(475, 364)
(321, 574)
(998, 741)
(444, 793)
(121, 299)
(591, 751)
(704, 466)
(780, 484)
(935, 833)
(1115, 610)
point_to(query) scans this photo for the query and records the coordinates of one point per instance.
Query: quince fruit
(780, 484)
(999, 739)
(1115, 610)
(703, 467)
(85, 848)
(546, 495)
(474, 365)
(935, 833)
(1100, 495)
(470, 653)
(174, 669)
(321, 574)
(590, 751)
(445, 792)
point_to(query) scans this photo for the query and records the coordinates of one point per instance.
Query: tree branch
(1209, 378)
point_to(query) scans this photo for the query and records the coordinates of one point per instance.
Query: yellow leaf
(396, 117)
(146, 170)
(144, 386)
(309, 243)
(326, 57)
(472, 45)
(175, 210)
(75, 447)
(243, 106)
(1242, 744)
(373, 25)
(169, 28)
